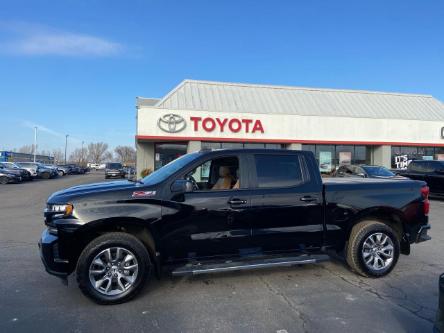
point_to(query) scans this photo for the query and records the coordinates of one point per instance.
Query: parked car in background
(73, 169)
(77, 170)
(54, 169)
(431, 172)
(29, 166)
(439, 322)
(7, 177)
(114, 170)
(63, 170)
(38, 170)
(130, 172)
(364, 171)
(15, 169)
(94, 166)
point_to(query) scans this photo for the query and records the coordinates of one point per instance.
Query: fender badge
(143, 194)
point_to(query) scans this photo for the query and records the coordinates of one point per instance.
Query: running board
(240, 265)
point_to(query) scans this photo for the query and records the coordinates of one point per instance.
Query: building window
(164, 153)
(330, 157)
(235, 145)
(403, 155)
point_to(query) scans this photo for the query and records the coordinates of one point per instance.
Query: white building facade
(338, 126)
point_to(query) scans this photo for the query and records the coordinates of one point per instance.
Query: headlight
(65, 209)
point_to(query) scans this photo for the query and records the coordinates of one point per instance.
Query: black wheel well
(390, 218)
(133, 227)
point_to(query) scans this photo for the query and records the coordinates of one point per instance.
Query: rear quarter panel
(348, 201)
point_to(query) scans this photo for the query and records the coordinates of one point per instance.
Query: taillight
(425, 191)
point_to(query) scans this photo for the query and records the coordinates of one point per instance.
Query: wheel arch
(392, 217)
(133, 226)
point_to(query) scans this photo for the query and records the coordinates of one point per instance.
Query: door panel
(287, 219)
(206, 223)
(286, 204)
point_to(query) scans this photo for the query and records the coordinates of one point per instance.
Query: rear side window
(278, 170)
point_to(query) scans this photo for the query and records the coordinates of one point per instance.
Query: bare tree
(44, 153)
(26, 149)
(58, 156)
(78, 157)
(97, 152)
(125, 154)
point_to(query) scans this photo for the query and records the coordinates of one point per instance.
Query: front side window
(278, 170)
(167, 170)
(221, 173)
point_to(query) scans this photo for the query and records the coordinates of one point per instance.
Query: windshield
(168, 169)
(26, 164)
(378, 171)
(10, 165)
(114, 166)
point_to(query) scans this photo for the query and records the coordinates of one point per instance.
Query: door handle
(308, 198)
(237, 202)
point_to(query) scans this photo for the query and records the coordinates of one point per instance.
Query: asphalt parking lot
(311, 298)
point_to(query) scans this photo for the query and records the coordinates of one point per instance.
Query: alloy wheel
(113, 271)
(378, 251)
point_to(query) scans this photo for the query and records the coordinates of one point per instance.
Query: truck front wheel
(372, 249)
(113, 268)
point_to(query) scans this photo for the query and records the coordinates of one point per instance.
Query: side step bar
(240, 265)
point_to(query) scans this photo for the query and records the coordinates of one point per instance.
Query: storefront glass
(403, 155)
(164, 153)
(233, 145)
(329, 157)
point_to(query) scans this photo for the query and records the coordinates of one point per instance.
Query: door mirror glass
(182, 186)
(361, 175)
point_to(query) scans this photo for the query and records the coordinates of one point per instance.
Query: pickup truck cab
(224, 210)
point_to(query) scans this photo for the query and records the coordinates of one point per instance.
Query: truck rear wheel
(113, 268)
(372, 249)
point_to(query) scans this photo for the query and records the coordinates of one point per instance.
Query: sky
(75, 67)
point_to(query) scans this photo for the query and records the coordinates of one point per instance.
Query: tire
(127, 244)
(370, 254)
(3, 180)
(46, 175)
(60, 173)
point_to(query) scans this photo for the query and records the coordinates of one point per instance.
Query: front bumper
(114, 174)
(49, 253)
(422, 234)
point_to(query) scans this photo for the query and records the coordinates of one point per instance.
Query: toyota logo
(171, 123)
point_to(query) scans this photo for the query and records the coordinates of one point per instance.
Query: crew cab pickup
(225, 210)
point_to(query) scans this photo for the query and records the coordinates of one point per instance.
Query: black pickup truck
(432, 172)
(225, 210)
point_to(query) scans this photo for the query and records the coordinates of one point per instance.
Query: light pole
(66, 145)
(83, 160)
(35, 142)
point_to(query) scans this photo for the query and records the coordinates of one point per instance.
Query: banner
(345, 158)
(325, 161)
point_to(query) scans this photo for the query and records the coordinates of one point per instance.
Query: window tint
(278, 170)
(419, 166)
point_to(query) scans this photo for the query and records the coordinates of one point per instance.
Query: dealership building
(338, 126)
